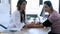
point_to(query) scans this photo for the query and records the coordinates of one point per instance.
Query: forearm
(28, 26)
(39, 25)
(34, 26)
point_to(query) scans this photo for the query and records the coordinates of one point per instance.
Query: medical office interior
(34, 10)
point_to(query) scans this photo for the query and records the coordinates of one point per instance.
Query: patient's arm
(33, 25)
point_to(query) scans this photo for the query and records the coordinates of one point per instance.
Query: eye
(24, 4)
(45, 7)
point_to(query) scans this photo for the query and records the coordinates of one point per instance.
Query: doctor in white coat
(18, 17)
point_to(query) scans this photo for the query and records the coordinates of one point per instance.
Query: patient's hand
(29, 25)
(34, 25)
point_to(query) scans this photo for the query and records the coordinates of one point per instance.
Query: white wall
(13, 5)
(4, 13)
(55, 4)
(32, 7)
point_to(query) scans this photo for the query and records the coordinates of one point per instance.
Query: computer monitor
(31, 16)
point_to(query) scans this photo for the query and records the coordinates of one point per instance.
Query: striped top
(54, 18)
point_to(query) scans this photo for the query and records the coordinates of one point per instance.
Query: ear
(51, 8)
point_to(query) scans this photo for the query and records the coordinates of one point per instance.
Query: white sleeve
(15, 21)
(12, 21)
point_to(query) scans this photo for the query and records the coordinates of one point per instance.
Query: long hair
(49, 4)
(19, 3)
(23, 11)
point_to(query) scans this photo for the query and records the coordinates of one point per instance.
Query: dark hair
(49, 4)
(19, 3)
(23, 11)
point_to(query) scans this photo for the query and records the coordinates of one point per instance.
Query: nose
(24, 6)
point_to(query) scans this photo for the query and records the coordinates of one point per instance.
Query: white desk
(31, 31)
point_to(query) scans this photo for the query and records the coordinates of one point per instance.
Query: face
(23, 6)
(46, 8)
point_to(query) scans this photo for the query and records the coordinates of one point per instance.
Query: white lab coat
(15, 20)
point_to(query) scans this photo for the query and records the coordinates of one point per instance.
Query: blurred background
(34, 7)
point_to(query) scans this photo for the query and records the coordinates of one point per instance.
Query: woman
(53, 20)
(18, 17)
